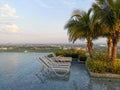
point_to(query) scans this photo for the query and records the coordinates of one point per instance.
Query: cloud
(7, 12)
(11, 28)
(7, 19)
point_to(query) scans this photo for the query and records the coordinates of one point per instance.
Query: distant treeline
(27, 49)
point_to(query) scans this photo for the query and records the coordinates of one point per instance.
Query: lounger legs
(45, 74)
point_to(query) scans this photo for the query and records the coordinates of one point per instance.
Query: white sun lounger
(60, 58)
(53, 62)
(60, 71)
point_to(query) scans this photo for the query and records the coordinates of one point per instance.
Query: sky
(37, 21)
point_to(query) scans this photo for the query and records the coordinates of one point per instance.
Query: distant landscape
(48, 47)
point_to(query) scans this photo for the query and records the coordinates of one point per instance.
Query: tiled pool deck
(22, 76)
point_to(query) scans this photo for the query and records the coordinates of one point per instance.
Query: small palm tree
(83, 25)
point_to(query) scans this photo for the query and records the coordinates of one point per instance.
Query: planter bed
(104, 76)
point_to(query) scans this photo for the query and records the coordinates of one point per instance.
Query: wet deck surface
(20, 74)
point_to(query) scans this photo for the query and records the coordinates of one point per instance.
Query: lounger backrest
(50, 60)
(43, 62)
(46, 59)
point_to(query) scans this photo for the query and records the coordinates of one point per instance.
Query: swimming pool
(18, 72)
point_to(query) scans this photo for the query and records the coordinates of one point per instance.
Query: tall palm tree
(83, 25)
(109, 11)
(109, 44)
(98, 10)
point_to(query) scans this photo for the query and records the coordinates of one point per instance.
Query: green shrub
(116, 67)
(97, 66)
(101, 56)
(100, 63)
(82, 56)
(71, 53)
(118, 55)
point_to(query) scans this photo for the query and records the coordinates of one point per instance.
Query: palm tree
(97, 9)
(109, 43)
(109, 12)
(83, 25)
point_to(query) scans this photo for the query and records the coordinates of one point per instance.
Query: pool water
(18, 72)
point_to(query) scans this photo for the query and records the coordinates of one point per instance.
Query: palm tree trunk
(109, 43)
(114, 50)
(90, 48)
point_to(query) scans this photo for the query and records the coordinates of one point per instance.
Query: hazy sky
(37, 21)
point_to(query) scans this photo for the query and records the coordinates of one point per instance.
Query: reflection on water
(12, 61)
(9, 61)
(18, 69)
(104, 84)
